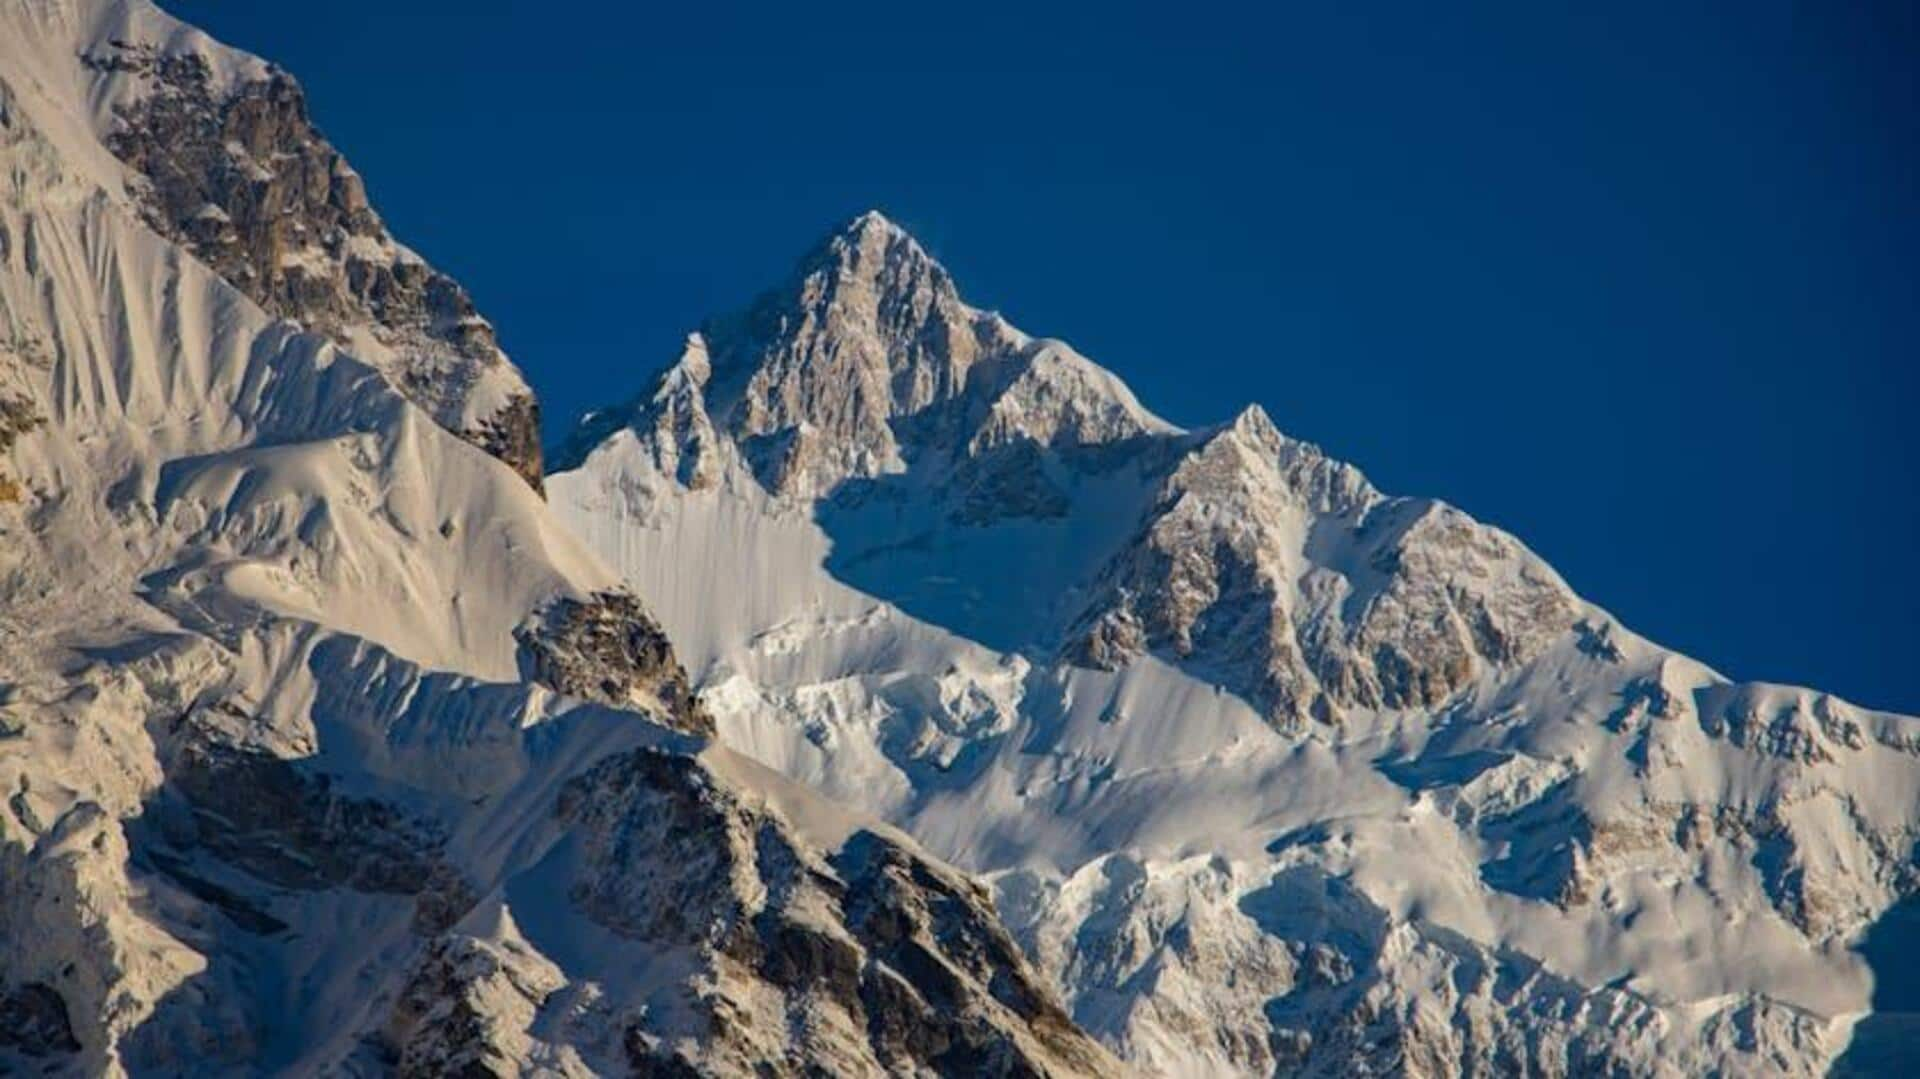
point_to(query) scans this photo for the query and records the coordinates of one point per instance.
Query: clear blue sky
(1638, 285)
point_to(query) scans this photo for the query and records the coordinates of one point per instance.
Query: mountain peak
(869, 343)
(1032, 587)
(1253, 422)
(877, 254)
(873, 222)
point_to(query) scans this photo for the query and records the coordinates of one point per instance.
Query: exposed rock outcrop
(609, 649)
(875, 961)
(1228, 574)
(238, 175)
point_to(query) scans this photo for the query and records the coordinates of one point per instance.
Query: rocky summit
(877, 690)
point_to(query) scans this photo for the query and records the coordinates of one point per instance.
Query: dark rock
(910, 951)
(513, 435)
(245, 182)
(288, 827)
(33, 1020)
(609, 649)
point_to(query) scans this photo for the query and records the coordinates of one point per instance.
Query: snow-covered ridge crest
(1272, 771)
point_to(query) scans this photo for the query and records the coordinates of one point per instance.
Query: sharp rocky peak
(868, 268)
(865, 361)
(867, 246)
(810, 377)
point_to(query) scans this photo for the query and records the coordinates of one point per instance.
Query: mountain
(325, 748)
(1270, 772)
(882, 690)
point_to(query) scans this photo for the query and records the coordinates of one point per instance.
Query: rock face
(757, 952)
(235, 173)
(1421, 600)
(609, 649)
(17, 417)
(865, 364)
(811, 377)
(874, 962)
(324, 748)
(1271, 772)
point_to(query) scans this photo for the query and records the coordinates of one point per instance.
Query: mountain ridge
(887, 690)
(1168, 675)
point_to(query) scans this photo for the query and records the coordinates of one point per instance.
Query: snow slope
(324, 748)
(1272, 772)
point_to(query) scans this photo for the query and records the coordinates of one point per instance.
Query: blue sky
(1638, 285)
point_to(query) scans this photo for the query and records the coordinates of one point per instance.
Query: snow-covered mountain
(324, 747)
(1270, 771)
(883, 690)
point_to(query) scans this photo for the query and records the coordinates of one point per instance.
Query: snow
(235, 536)
(279, 796)
(877, 650)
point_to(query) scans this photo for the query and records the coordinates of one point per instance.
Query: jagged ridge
(1270, 770)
